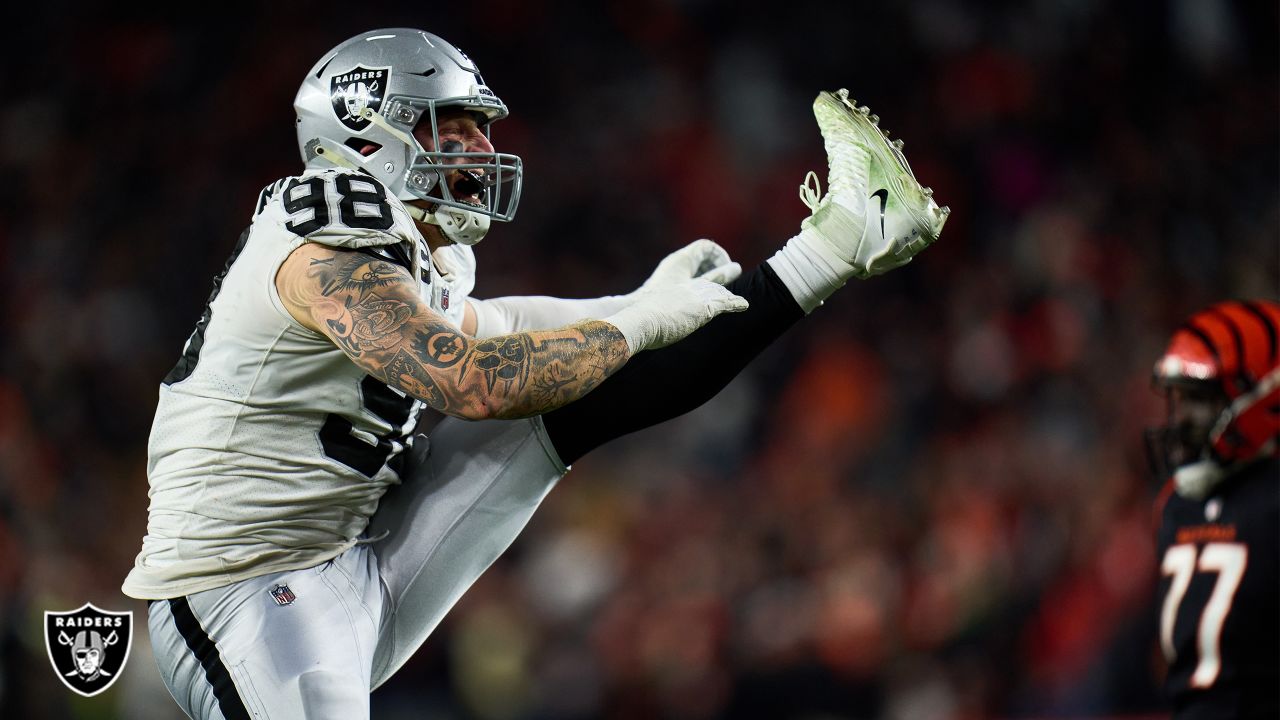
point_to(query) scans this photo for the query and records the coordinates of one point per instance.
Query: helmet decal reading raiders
(356, 89)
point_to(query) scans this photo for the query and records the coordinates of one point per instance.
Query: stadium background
(927, 501)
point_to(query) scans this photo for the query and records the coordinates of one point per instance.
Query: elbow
(489, 406)
(471, 414)
(491, 409)
(482, 409)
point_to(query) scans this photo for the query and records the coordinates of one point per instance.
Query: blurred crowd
(927, 501)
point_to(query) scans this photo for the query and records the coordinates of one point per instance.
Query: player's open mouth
(468, 187)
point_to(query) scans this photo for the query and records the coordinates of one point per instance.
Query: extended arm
(370, 309)
(499, 316)
(702, 259)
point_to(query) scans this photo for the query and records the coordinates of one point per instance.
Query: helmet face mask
(1221, 376)
(499, 175)
(1193, 408)
(358, 108)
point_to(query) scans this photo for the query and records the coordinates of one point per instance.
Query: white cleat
(884, 216)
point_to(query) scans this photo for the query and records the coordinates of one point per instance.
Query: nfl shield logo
(356, 89)
(88, 647)
(283, 595)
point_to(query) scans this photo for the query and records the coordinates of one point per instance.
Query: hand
(699, 259)
(664, 315)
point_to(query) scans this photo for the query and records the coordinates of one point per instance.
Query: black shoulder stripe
(402, 256)
(371, 176)
(393, 254)
(1267, 324)
(265, 196)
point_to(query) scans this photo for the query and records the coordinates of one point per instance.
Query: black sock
(657, 385)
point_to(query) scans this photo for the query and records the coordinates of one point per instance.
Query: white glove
(666, 314)
(699, 259)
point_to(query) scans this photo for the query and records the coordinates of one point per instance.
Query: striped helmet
(1229, 353)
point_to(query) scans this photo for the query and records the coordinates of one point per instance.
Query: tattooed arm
(371, 309)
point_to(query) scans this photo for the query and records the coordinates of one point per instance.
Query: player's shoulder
(335, 207)
(1256, 491)
(1246, 504)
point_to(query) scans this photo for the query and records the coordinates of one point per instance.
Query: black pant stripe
(207, 653)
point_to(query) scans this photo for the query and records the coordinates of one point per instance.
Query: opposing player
(301, 542)
(1219, 513)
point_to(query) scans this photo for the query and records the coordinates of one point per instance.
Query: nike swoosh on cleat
(883, 194)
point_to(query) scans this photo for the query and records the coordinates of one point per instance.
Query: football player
(302, 542)
(1219, 512)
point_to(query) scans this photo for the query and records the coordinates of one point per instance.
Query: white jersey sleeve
(270, 449)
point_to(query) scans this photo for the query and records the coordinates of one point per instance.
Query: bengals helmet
(1221, 375)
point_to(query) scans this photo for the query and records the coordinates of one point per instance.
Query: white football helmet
(358, 106)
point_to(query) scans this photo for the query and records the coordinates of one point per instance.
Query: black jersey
(1220, 597)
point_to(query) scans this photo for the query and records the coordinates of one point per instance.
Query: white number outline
(1229, 561)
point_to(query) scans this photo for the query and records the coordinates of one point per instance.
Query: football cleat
(875, 215)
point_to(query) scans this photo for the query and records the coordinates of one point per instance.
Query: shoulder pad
(337, 207)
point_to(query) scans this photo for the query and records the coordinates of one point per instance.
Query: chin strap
(1196, 480)
(461, 226)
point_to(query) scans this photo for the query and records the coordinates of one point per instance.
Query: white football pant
(313, 643)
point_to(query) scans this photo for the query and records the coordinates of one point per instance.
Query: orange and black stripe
(1243, 338)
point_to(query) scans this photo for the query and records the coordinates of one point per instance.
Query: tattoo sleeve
(370, 308)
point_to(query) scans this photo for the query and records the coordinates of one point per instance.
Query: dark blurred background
(927, 501)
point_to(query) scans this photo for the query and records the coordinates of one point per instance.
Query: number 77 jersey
(270, 449)
(1219, 598)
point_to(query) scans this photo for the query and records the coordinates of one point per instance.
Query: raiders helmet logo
(356, 89)
(88, 647)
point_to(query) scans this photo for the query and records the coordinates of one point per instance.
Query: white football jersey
(270, 448)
